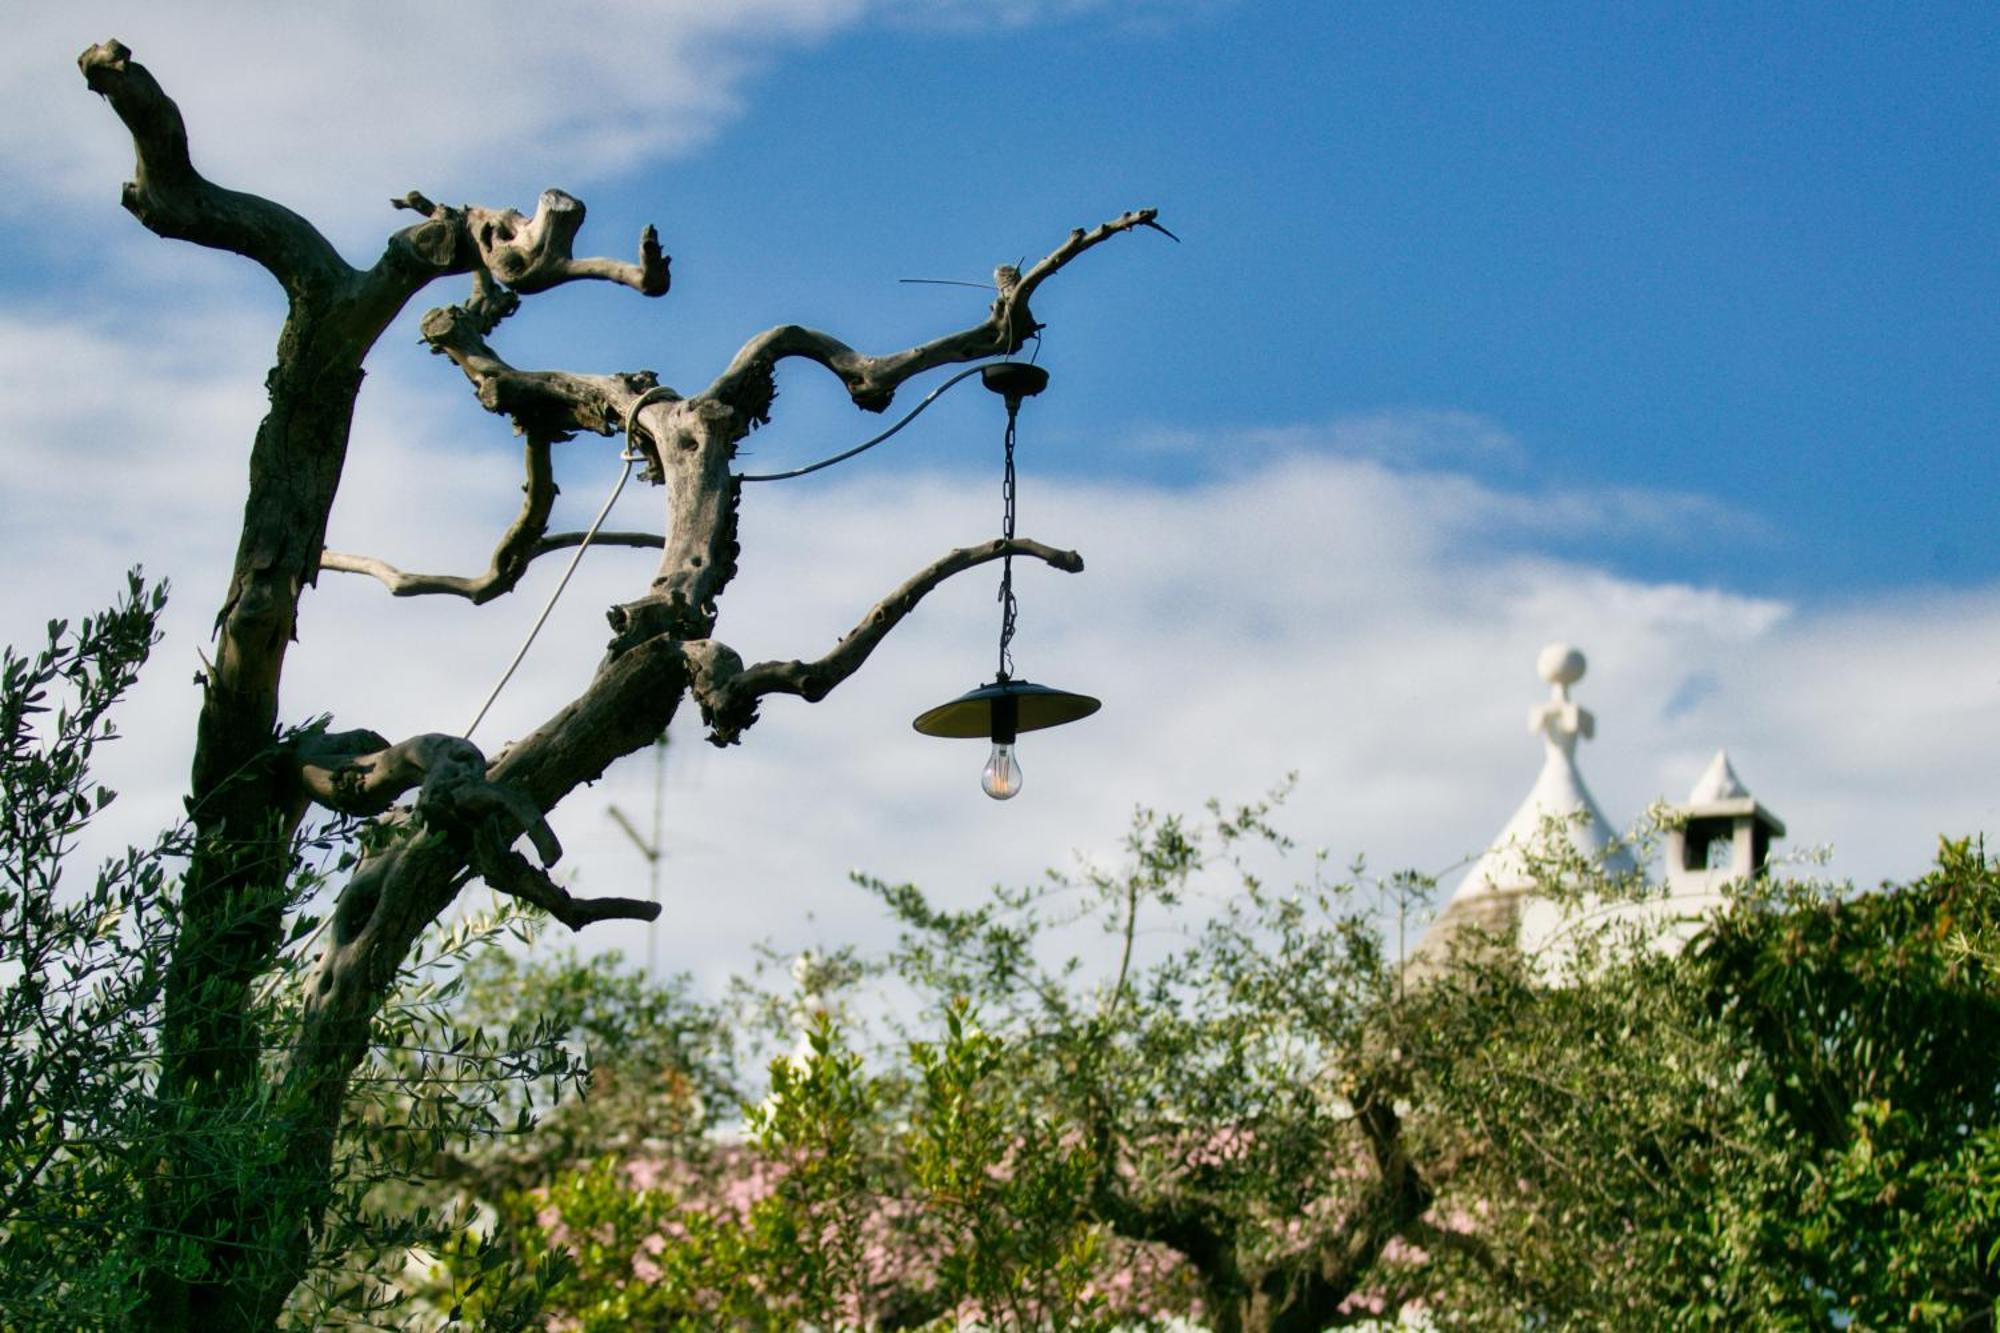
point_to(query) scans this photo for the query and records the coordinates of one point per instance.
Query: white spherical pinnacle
(1560, 664)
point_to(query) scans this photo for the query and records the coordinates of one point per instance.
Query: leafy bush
(83, 1122)
(80, 983)
(1791, 1124)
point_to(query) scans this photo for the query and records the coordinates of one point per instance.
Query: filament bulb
(1002, 777)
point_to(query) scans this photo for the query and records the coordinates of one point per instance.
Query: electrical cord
(630, 456)
(865, 445)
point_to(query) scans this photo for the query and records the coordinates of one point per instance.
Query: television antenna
(651, 849)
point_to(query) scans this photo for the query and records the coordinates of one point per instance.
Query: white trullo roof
(1490, 891)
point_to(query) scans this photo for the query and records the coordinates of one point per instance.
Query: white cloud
(1407, 437)
(1322, 615)
(1347, 600)
(334, 109)
(1372, 627)
(984, 15)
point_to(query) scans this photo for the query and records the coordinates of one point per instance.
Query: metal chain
(1008, 608)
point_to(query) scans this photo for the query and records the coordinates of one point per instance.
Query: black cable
(928, 399)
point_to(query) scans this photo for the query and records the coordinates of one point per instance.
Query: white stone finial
(1559, 809)
(1561, 666)
(1560, 721)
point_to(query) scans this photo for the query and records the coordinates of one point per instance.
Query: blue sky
(1747, 251)
(1667, 329)
(1743, 247)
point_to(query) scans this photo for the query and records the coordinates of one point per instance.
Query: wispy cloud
(1372, 627)
(1480, 481)
(986, 15)
(1402, 438)
(334, 109)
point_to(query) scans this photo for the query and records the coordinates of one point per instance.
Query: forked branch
(550, 403)
(512, 873)
(361, 773)
(525, 538)
(477, 588)
(534, 254)
(872, 380)
(174, 200)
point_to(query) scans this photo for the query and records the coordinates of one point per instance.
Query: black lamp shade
(983, 713)
(1014, 380)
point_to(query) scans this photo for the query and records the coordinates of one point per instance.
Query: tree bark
(253, 1226)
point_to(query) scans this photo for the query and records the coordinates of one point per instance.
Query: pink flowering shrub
(1202, 1132)
(855, 1202)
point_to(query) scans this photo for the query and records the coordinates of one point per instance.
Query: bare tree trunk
(251, 1224)
(1303, 1291)
(233, 897)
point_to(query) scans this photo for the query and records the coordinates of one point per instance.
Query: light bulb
(1002, 777)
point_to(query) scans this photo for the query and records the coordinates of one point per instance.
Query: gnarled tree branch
(360, 773)
(872, 380)
(171, 198)
(511, 873)
(525, 539)
(479, 588)
(550, 403)
(531, 254)
(728, 695)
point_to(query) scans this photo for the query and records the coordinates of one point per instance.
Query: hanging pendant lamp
(1000, 711)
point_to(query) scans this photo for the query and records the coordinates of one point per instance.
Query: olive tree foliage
(86, 1119)
(659, 1067)
(1793, 1123)
(1189, 1116)
(1241, 1115)
(80, 980)
(1241, 1120)
(250, 1236)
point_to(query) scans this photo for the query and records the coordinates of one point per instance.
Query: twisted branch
(525, 539)
(174, 200)
(872, 380)
(728, 692)
(513, 874)
(481, 588)
(533, 254)
(360, 773)
(551, 403)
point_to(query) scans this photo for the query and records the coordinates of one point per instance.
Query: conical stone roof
(1718, 782)
(1559, 805)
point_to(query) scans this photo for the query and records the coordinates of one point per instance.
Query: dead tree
(460, 813)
